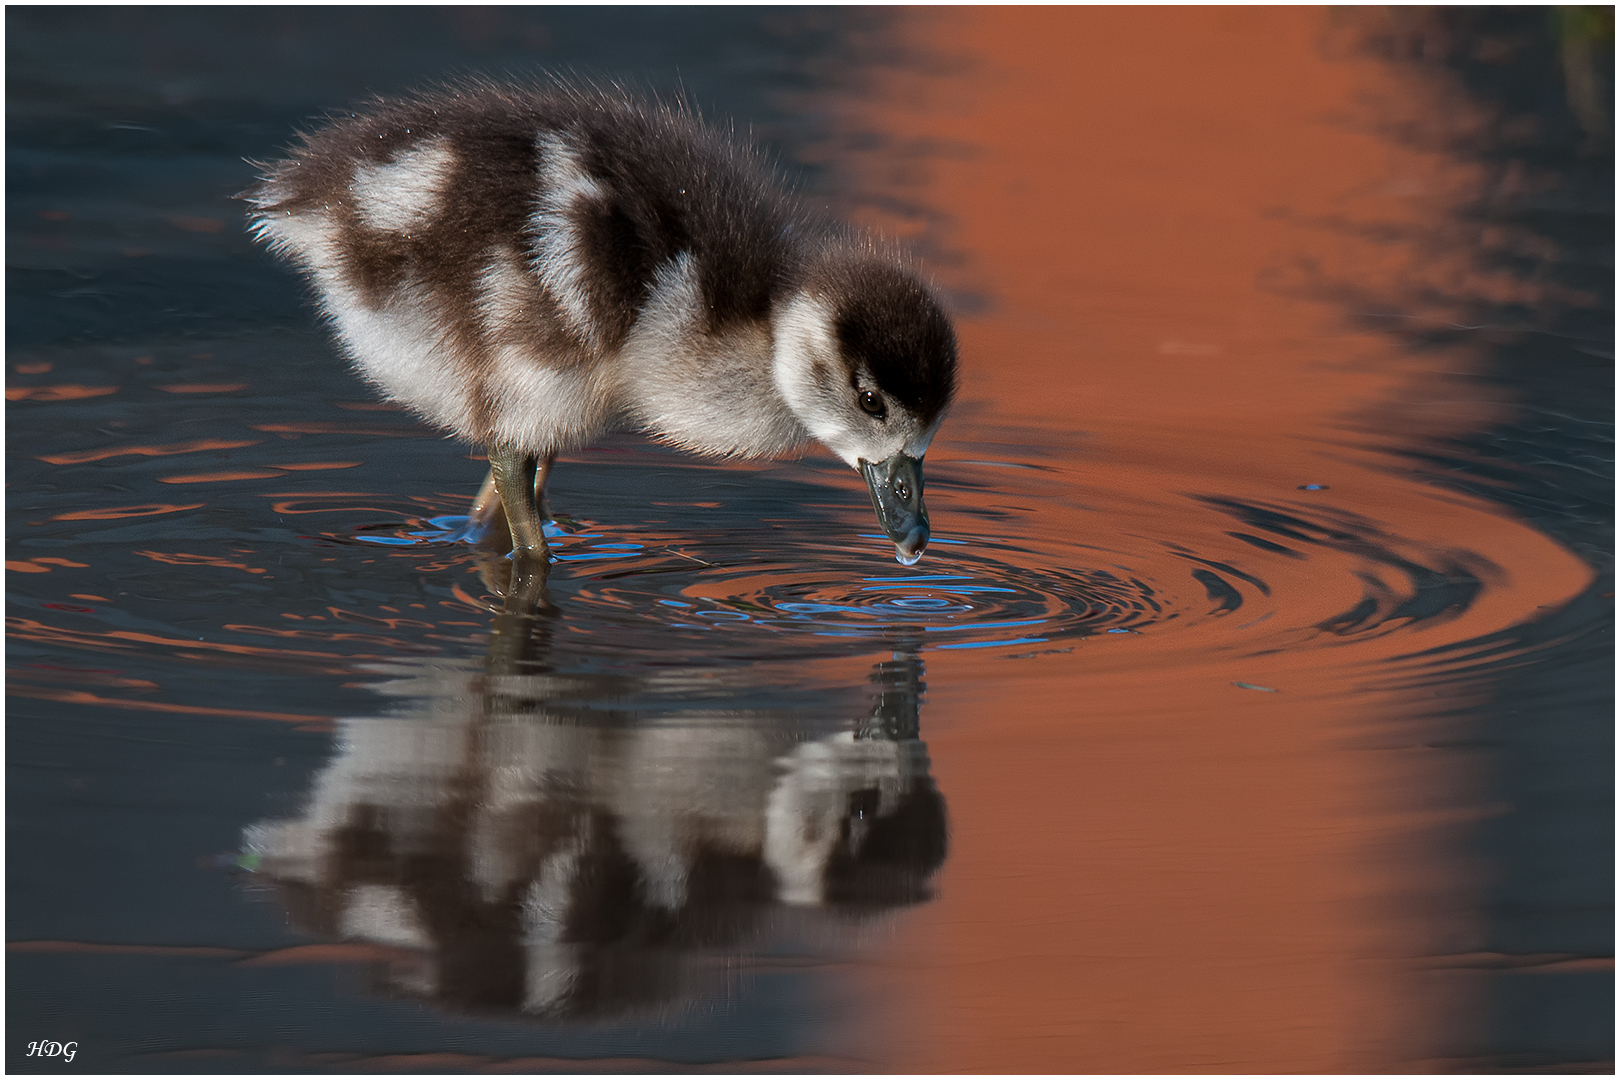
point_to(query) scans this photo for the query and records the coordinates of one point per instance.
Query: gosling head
(866, 359)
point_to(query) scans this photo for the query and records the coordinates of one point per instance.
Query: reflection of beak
(897, 496)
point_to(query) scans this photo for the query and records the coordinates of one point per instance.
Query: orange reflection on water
(41, 565)
(316, 466)
(268, 472)
(83, 697)
(115, 513)
(59, 392)
(292, 431)
(222, 476)
(79, 457)
(176, 558)
(1153, 869)
(127, 640)
(203, 388)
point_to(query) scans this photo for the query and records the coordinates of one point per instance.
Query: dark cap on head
(887, 322)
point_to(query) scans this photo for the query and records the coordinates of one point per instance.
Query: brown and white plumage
(532, 268)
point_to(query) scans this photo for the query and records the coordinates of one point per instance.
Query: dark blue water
(287, 792)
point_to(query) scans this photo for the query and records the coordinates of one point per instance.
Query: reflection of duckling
(530, 269)
(531, 846)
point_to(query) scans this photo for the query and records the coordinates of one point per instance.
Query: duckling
(532, 268)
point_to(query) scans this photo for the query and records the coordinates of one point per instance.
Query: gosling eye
(873, 404)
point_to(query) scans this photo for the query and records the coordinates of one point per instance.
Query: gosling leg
(486, 519)
(542, 473)
(520, 481)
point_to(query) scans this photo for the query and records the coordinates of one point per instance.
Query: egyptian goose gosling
(531, 268)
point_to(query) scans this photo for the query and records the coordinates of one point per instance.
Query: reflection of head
(855, 822)
(516, 855)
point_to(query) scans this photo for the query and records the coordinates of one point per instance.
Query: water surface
(1250, 711)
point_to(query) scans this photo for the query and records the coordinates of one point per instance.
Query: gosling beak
(897, 495)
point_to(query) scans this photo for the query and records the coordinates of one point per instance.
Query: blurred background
(1252, 714)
